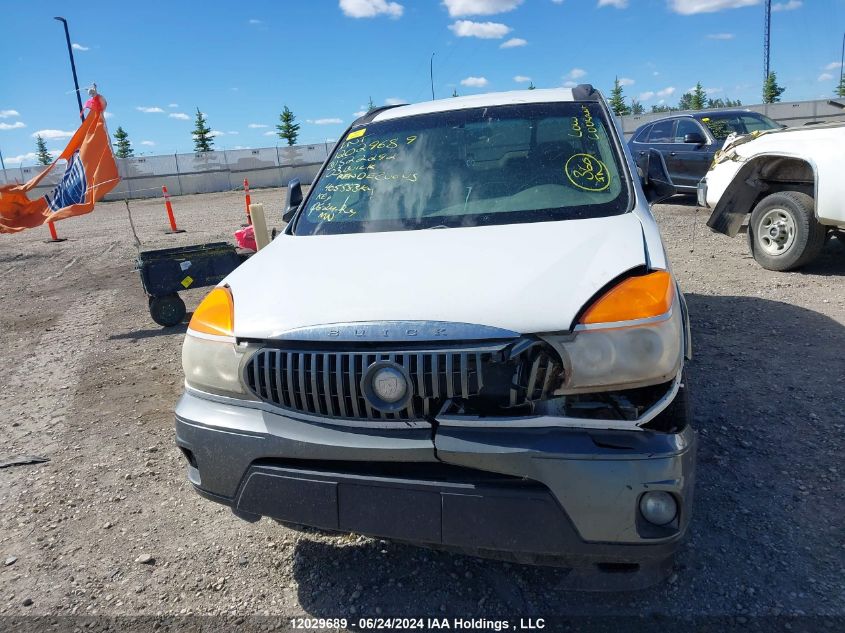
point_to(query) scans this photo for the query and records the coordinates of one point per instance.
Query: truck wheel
(784, 231)
(167, 310)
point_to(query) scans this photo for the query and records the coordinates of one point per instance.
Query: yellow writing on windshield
(587, 172)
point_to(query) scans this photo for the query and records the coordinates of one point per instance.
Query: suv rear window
(474, 167)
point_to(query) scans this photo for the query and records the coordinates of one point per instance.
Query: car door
(688, 162)
(639, 146)
(661, 137)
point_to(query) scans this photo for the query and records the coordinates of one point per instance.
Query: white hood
(521, 277)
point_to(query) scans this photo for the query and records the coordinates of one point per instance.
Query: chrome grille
(328, 383)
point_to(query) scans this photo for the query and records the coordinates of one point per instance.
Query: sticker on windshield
(587, 172)
(356, 133)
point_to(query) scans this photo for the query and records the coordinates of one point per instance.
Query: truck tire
(784, 231)
(167, 310)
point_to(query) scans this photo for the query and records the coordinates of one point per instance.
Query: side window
(642, 137)
(661, 132)
(687, 126)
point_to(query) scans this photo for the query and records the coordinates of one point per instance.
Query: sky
(240, 63)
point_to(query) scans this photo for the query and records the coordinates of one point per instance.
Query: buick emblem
(387, 386)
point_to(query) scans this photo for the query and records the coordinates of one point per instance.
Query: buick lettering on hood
(467, 337)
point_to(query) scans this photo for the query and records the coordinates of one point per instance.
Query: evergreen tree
(289, 130)
(771, 90)
(840, 89)
(636, 107)
(531, 85)
(455, 92)
(203, 141)
(662, 108)
(42, 155)
(617, 100)
(124, 147)
(371, 106)
(686, 101)
(698, 97)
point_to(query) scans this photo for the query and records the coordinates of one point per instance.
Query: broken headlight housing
(632, 336)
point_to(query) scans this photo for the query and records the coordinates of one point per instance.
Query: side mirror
(694, 137)
(656, 184)
(294, 199)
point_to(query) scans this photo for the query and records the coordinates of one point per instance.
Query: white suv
(468, 336)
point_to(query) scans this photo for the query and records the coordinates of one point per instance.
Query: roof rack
(369, 116)
(585, 92)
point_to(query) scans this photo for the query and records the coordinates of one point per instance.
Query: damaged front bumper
(531, 492)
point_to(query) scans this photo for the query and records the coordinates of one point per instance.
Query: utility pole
(431, 74)
(766, 39)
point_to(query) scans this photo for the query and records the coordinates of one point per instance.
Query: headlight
(215, 366)
(631, 336)
(211, 359)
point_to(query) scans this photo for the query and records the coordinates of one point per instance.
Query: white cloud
(179, 115)
(460, 8)
(482, 30)
(645, 96)
(830, 66)
(666, 92)
(233, 133)
(79, 47)
(326, 121)
(172, 105)
(21, 158)
(255, 21)
(570, 84)
(619, 4)
(521, 79)
(513, 43)
(822, 77)
(149, 143)
(12, 126)
(149, 109)
(359, 113)
(52, 135)
(721, 36)
(216, 133)
(394, 101)
(787, 6)
(108, 115)
(625, 81)
(5, 114)
(256, 126)
(713, 91)
(269, 134)
(475, 82)
(690, 7)
(576, 73)
(370, 8)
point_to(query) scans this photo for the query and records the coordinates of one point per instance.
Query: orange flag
(90, 174)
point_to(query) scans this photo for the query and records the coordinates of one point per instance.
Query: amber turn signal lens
(634, 298)
(215, 315)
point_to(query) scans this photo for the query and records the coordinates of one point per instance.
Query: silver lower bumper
(585, 482)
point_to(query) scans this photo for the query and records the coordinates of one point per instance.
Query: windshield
(475, 167)
(723, 125)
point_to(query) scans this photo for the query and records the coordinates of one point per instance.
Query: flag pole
(54, 237)
(72, 66)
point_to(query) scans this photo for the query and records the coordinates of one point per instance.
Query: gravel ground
(110, 526)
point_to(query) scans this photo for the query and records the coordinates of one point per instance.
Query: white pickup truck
(790, 181)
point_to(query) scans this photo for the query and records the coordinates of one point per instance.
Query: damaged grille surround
(328, 381)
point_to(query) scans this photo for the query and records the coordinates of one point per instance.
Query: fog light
(658, 507)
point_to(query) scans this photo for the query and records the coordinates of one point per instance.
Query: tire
(784, 232)
(167, 310)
